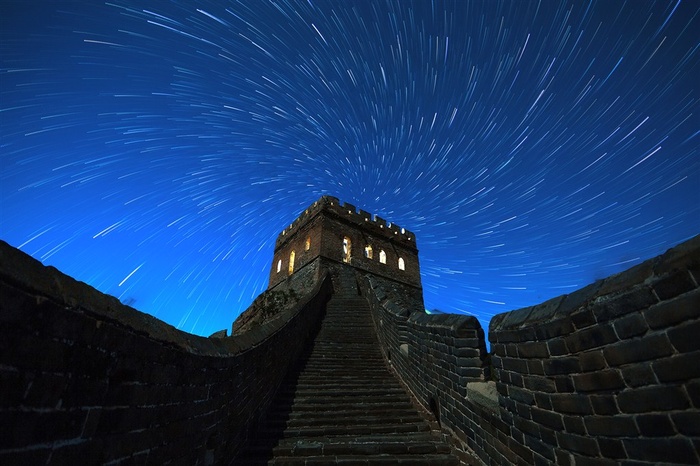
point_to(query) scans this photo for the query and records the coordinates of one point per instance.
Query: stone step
(326, 417)
(301, 406)
(358, 446)
(366, 420)
(343, 405)
(269, 431)
(380, 460)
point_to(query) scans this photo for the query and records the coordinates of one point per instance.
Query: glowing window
(382, 256)
(402, 264)
(368, 251)
(307, 245)
(279, 265)
(291, 262)
(347, 249)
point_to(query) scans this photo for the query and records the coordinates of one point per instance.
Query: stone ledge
(484, 394)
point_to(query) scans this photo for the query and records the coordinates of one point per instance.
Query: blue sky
(156, 150)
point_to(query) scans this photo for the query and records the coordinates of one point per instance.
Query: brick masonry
(86, 380)
(609, 374)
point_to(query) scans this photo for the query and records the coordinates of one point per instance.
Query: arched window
(382, 256)
(279, 265)
(368, 251)
(347, 249)
(307, 245)
(291, 262)
(402, 264)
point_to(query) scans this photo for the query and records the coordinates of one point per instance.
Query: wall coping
(23, 271)
(683, 256)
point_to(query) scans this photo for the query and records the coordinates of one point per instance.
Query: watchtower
(329, 235)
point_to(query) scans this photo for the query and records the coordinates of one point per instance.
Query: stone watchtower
(332, 236)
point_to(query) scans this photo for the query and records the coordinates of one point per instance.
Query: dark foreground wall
(607, 375)
(86, 380)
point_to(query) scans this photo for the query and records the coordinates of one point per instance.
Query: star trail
(155, 150)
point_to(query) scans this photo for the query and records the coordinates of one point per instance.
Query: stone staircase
(343, 406)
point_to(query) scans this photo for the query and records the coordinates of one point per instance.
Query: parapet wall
(606, 375)
(373, 223)
(87, 380)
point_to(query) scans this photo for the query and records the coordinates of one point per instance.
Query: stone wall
(606, 375)
(85, 379)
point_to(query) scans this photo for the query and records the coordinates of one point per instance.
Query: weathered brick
(540, 447)
(687, 422)
(608, 379)
(578, 443)
(649, 399)
(522, 396)
(591, 337)
(592, 360)
(571, 403)
(557, 347)
(630, 301)
(685, 337)
(631, 325)
(638, 349)
(604, 404)
(674, 311)
(542, 400)
(611, 448)
(676, 283)
(588, 461)
(638, 375)
(655, 425)
(665, 450)
(547, 418)
(533, 350)
(611, 426)
(557, 366)
(677, 368)
(557, 328)
(583, 318)
(564, 384)
(535, 367)
(693, 388)
(574, 425)
(539, 384)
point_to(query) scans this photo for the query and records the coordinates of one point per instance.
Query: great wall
(352, 370)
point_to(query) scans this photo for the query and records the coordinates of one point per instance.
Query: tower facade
(331, 234)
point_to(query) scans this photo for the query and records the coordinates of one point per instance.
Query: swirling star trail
(155, 150)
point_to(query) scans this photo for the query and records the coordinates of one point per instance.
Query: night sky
(155, 150)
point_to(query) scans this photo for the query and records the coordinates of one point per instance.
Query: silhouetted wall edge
(609, 374)
(87, 380)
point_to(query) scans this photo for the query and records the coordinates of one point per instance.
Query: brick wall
(86, 380)
(436, 356)
(606, 375)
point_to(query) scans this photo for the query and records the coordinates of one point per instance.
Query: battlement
(350, 214)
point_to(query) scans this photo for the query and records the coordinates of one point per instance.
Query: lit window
(347, 249)
(368, 251)
(382, 256)
(279, 265)
(291, 262)
(307, 246)
(402, 265)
